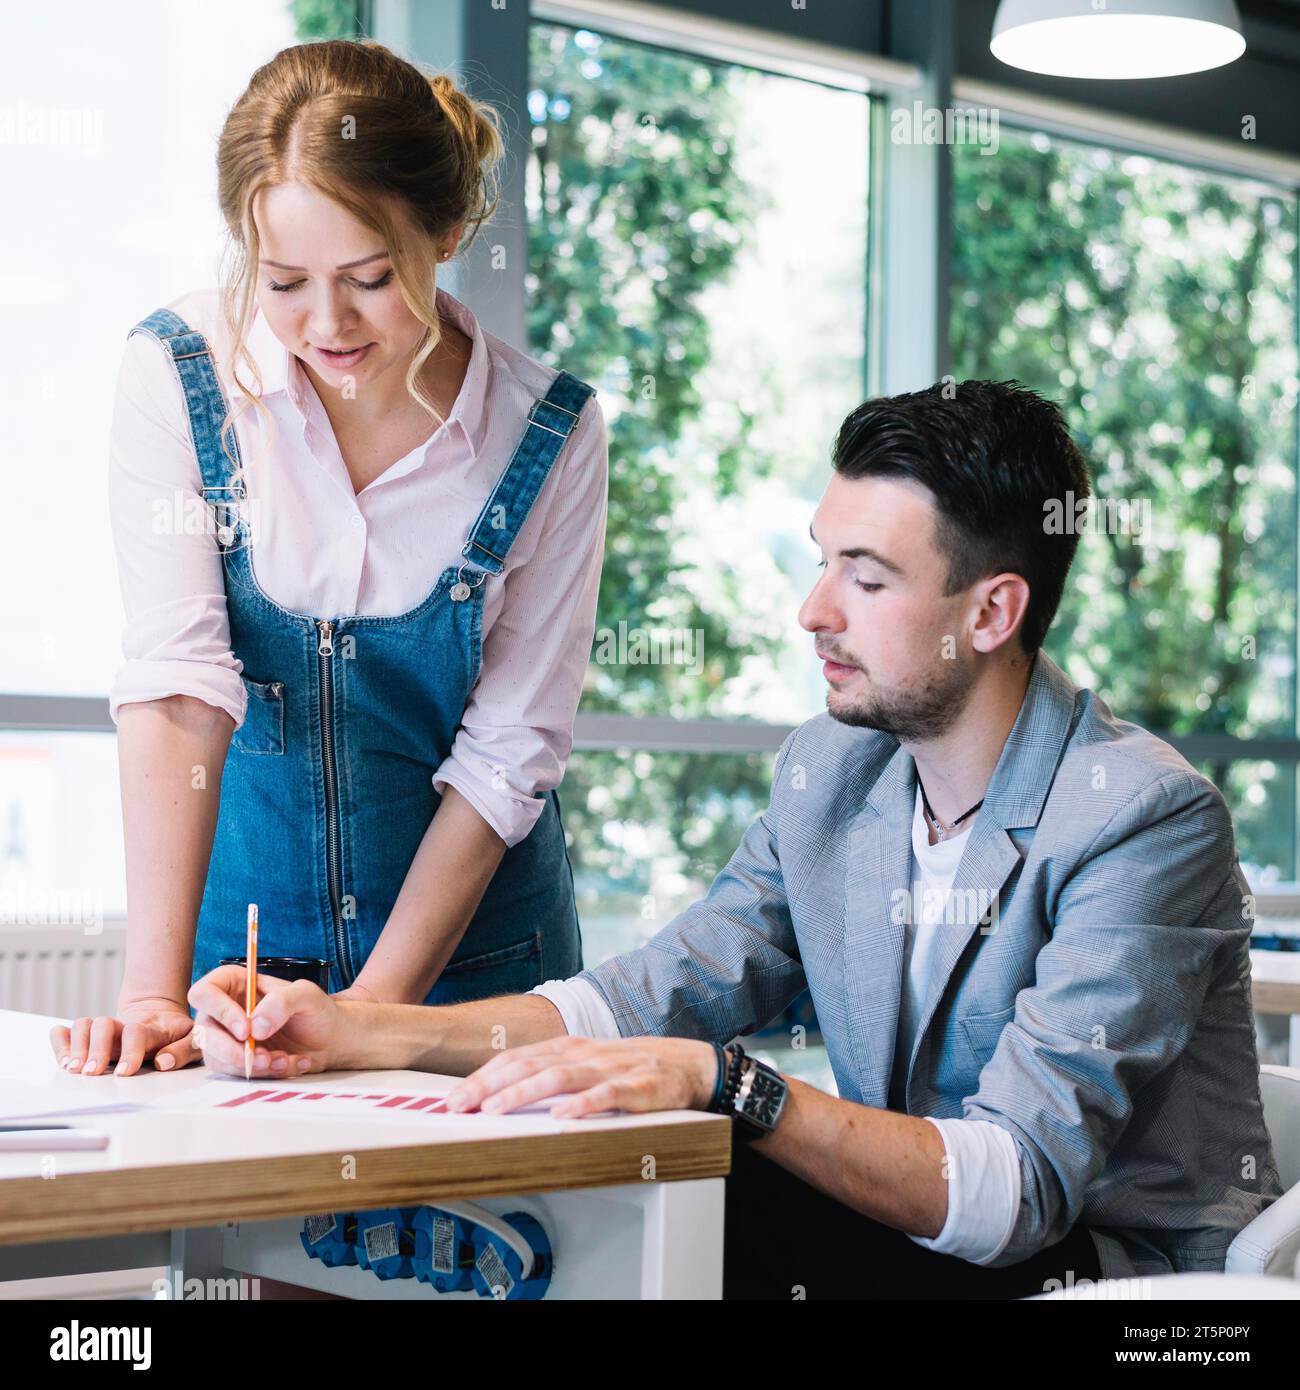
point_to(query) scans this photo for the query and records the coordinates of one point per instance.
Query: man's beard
(915, 713)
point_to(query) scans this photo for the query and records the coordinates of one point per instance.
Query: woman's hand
(157, 1029)
(299, 1027)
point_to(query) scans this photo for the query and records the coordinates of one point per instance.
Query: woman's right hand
(297, 1027)
(157, 1029)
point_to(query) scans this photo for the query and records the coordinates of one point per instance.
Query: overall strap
(204, 400)
(550, 422)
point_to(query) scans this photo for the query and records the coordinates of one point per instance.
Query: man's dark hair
(992, 453)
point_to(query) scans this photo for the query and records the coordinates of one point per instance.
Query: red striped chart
(378, 1100)
(343, 1098)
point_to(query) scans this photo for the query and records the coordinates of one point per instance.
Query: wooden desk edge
(168, 1196)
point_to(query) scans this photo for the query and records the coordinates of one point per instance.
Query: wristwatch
(748, 1090)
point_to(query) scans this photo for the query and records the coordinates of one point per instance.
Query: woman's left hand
(593, 1074)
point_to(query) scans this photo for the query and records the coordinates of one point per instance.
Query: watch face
(766, 1096)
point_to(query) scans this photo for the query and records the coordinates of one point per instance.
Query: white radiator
(62, 971)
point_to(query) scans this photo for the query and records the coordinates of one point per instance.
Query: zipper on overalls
(333, 857)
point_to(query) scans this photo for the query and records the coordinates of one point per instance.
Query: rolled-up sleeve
(517, 729)
(585, 1013)
(982, 1165)
(176, 639)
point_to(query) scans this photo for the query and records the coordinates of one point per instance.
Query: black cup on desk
(289, 968)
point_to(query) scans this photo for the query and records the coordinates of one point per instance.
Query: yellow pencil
(250, 1001)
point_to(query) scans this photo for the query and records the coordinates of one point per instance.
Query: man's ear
(1004, 602)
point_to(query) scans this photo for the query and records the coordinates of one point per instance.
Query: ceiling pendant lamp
(1117, 38)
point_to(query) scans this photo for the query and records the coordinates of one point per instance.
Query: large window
(1157, 304)
(698, 249)
(112, 161)
(698, 252)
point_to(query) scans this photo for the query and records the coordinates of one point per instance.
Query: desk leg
(196, 1253)
(681, 1249)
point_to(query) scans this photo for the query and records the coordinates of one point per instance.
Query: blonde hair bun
(476, 122)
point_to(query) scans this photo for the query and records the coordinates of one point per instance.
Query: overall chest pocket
(262, 731)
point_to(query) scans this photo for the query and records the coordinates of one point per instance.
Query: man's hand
(144, 1029)
(356, 990)
(301, 1027)
(593, 1074)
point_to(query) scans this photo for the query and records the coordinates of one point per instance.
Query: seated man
(1021, 919)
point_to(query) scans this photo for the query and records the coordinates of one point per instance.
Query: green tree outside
(1157, 305)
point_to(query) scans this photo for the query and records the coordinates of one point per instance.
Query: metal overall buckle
(460, 590)
(226, 516)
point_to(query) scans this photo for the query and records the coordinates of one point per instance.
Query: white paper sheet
(20, 1102)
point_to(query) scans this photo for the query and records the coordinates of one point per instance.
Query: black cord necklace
(943, 830)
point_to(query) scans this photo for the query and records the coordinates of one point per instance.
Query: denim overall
(327, 788)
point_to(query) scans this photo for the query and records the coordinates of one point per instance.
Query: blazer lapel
(878, 864)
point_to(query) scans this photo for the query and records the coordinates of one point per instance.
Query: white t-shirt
(983, 1163)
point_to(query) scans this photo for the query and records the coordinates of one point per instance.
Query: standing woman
(389, 599)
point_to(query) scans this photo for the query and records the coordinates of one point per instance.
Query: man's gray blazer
(1101, 1013)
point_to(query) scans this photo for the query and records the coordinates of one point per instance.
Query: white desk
(633, 1204)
